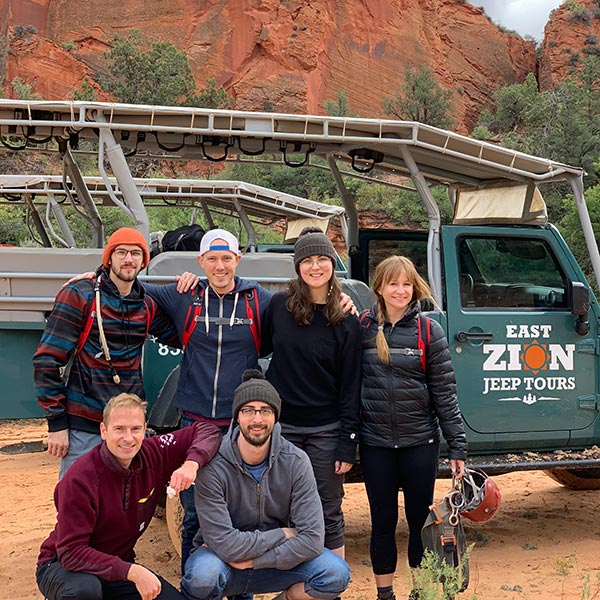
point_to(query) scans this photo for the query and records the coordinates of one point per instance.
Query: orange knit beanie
(127, 236)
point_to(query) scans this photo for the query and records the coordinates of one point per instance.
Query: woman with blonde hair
(408, 395)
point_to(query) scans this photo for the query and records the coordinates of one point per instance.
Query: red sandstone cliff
(567, 40)
(282, 55)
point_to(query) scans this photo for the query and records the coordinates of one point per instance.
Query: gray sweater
(241, 519)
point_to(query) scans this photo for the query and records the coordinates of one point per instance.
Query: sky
(526, 17)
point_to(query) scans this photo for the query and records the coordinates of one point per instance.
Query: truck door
(521, 367)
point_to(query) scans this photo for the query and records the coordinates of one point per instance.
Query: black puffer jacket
(401, 405)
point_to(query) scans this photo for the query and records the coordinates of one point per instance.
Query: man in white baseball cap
(219, 326)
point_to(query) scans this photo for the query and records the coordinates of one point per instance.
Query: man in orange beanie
(91, 348)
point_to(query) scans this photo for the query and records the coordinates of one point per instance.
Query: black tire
(577, 479)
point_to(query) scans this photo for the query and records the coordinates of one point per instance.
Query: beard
(125, 276)
(255, 436)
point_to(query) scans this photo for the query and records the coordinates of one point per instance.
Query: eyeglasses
(122, 253)
(321, 262)
(265, 411)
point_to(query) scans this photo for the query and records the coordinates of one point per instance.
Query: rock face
(569, 36)
(281, 55)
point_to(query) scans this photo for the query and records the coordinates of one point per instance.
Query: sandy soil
(543, 544)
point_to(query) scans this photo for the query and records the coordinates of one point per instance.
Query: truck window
(380, 249)
(510, 273)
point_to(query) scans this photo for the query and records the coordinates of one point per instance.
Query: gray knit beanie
(255, 387)
(312, 242)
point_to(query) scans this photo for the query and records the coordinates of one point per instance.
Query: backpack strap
(424, 337)
(85, 332)
(253, 316)
(191, 319)
(150, 311)
(89, 321)
(363, 316)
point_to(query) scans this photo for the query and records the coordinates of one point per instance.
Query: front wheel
(174, 512)
(577, 479)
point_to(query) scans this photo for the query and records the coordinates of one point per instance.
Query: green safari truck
(520, 315)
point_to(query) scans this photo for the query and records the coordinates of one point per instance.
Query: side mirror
(580, 305)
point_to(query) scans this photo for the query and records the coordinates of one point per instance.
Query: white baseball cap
(207, 242)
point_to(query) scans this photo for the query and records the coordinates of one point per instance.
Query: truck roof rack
(384, 151)
(250, 204)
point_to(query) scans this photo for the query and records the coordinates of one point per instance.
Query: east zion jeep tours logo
(529, 365)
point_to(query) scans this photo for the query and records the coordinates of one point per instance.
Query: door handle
(464, 336)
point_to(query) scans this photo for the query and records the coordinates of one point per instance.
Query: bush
(69, 46)
(578, 12)
(21, 31)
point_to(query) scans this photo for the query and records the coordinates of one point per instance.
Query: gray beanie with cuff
(255, 388)
(312, 242)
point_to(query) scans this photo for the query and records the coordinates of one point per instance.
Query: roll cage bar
(383, 151)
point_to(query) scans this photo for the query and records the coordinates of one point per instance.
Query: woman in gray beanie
(316, 370)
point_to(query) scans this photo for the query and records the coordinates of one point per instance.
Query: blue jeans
(80, 443)
(207, 577)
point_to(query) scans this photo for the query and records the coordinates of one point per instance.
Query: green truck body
(520, 316)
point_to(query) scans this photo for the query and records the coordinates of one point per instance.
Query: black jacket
(401, 405)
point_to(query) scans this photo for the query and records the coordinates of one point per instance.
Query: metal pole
(586, 224)
(37, 221)
(54, 206)
(348, 204)
(121, 171)
(247, 224)
(83, 194)
(434, 255)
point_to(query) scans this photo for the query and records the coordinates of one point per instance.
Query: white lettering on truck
(533, 357)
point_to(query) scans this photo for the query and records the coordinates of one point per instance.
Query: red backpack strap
(191, 319)
(150, 311)
(254, 317)
(85, 332)
(424, 337)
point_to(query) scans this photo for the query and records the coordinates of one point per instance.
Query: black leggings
(386, 471)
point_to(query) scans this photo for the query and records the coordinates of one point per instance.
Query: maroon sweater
(103, 508)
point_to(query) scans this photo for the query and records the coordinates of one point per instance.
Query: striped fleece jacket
(79, 402)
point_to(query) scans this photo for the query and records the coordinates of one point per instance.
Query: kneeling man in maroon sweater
(106, 500)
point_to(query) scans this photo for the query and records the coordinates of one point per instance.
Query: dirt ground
(543, 544)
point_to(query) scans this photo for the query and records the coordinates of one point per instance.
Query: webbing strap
(424, 338)
(195, 310)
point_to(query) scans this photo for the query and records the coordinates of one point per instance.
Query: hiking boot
(414, 594)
